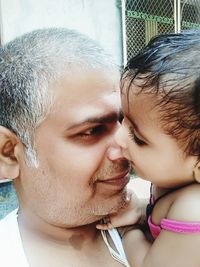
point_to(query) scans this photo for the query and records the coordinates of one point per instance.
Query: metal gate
(143, 19)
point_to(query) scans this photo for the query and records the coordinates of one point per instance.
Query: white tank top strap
(118, 254)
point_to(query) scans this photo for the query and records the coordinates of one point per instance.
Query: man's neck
(49, 245)
(34, 227)
(78, 246)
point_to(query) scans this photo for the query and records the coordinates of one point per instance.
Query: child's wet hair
(169, 69)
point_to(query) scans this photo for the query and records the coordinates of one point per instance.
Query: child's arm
(170, 249)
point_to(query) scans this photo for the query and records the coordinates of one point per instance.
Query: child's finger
(105, 225)
(129, 194)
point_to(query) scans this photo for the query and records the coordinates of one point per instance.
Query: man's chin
(113, 205)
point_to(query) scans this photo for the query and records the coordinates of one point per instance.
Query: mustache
(109, 169)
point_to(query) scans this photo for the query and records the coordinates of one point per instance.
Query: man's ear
(9, 154)
(196, 172)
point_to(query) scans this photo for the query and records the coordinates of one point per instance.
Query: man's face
(78, 179)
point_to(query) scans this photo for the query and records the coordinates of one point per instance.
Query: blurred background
(123, 27)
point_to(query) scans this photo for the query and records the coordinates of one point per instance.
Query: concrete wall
(100, 19)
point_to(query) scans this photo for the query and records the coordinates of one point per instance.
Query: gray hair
(28, 64)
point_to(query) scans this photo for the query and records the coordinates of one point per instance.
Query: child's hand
(129, 214)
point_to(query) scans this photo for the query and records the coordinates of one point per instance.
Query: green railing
(159, 19)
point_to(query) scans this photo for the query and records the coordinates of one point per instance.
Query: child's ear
(9, 154)
(196, 172)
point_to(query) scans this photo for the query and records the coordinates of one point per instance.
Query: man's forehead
(114, 97)
(92, 106)
(104, 109)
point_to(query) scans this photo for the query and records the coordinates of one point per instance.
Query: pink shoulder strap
(180, 226)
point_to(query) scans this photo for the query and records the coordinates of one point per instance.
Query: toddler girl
(160, 136)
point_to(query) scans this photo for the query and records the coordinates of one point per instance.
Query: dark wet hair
(169, 68)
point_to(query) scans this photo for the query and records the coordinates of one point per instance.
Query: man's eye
(136, 139)
(121, 117)
(95, 131)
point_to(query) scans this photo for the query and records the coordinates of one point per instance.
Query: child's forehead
(137, 84)
(133, 94)
(148, 120)
(140, 97)
(141, 107)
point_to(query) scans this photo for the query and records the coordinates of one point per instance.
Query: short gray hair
(28, 64)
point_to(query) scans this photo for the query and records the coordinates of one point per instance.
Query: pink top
(173, 226)
(184, 227)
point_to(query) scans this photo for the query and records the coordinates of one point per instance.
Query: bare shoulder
(186, 205)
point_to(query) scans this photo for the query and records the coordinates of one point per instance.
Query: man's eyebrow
(101, 119)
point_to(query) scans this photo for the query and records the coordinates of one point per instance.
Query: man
(59, 110)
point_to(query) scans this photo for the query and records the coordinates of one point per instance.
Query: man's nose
(117, 145)
(114, 152)
(120, 137)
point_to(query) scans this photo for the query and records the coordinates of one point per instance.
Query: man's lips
(119, 180)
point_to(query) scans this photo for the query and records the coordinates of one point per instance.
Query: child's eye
(135, 138)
